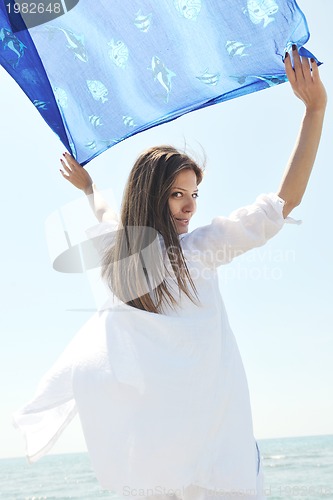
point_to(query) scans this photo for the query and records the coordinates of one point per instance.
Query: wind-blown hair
(144, 213)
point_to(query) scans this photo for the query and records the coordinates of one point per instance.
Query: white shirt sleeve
(101, 237)
(245, 228)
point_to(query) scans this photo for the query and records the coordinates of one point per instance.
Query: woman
(156, 376)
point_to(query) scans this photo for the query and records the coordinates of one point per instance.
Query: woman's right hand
(76, 174)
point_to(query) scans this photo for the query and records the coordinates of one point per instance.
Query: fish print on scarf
(209, 78)
(190, 9)
(143, 22)
(98, 90)
(162, 74)
(61, 97)
(128, 121)
(118, 53)
(96, 121)
(75, 42)
(236, 48)
(9, 41)
(40, 104)
(91, 145)
(261, 11)
(270, 80)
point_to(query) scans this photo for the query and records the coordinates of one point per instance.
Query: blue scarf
(108, 69)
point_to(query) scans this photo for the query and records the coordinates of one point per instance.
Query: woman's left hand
(305, 81)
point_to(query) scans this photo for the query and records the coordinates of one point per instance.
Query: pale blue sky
(279, 297)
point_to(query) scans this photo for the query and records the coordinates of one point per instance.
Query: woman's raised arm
(307, 86)
(79, 177)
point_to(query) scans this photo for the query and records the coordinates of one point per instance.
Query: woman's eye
(178, 194)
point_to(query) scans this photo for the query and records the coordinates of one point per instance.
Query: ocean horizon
(295, 468)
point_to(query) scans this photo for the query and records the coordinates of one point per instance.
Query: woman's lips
(182, 221)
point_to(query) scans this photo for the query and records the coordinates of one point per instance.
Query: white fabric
(163, 398)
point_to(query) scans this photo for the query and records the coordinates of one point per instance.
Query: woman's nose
(189, 206)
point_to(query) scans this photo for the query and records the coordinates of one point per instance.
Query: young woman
(156, 376)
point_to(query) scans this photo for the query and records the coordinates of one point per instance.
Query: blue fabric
(109, 69)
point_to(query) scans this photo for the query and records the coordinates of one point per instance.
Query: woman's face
(182, 200)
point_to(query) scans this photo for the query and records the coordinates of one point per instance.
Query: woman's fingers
(66, 167)
(289, 69)
(71, 161)
(70, 165)
(300, 70)
(68, 173)
(305, 81)
(315, 71)
(66, 176)
(306, 69)
(298, 67)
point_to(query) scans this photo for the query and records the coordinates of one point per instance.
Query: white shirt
(162, 398)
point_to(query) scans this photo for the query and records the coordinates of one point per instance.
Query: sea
(295, 469)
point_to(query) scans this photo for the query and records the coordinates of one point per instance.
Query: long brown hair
(144, 213)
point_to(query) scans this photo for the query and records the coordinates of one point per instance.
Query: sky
(278, 297)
